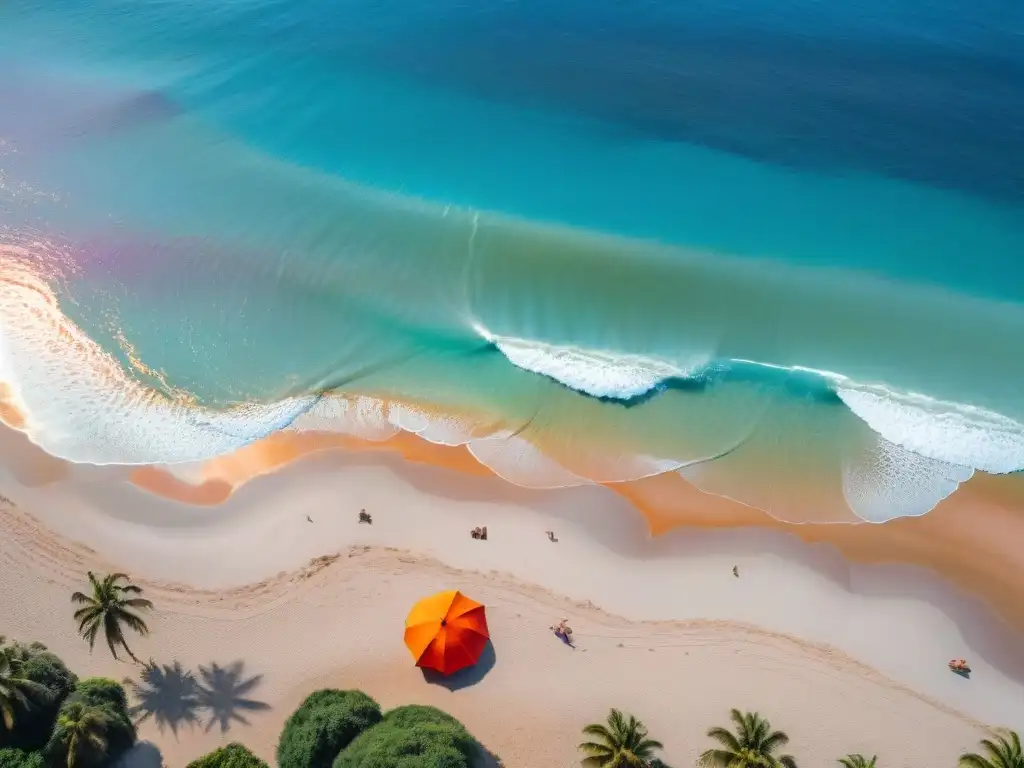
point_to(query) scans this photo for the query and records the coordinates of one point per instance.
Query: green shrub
(32, 726)
(234, 755)
(108, 696)
(16, 758)
(109, 699)
(323, 725)
(102, 690)
(418, 714)
(412, 737)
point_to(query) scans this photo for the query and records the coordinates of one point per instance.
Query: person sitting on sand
(959, 665)
(479, 533)
(551, 535)
(364, 517)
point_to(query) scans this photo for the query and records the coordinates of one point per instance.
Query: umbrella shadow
(168, 694)
(467, 677)
(223, 692)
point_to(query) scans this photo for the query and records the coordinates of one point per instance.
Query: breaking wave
(600, 373)
(800, 458)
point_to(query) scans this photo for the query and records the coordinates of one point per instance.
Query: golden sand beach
(839, 634)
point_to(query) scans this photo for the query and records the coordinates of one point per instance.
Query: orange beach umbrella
(446, 632)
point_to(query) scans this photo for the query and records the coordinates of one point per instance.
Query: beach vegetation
(110, 606)
(622, 742)
(66, 722)
(1003, 750)
(17, 691)
(323, 725)
(234, 755)
(34, 721)
(107, 697)
(752, 746)
(412, 737)
(11, 757)
(79, 737)
(858, 761)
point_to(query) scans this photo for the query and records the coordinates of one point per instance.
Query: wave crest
(955, 433)
(597, 372)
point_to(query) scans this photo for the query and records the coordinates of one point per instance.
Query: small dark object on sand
(551, 536)
(364, 517)
(310, 519)
(736, 571)
(960, 667)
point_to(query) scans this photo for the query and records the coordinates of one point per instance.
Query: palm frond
(774, 741)
(645, 748)
(972, 760)
(6, 713)
(725, 738)
(598, 730)
(716, 758)
(134, 622)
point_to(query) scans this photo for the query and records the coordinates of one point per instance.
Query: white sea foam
(82, 406)
(887, 481)
(359, 416)
(440, 429)
(597, 372)
(520, 462)
(955, 433)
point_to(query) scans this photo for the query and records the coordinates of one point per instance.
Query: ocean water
(778, 249)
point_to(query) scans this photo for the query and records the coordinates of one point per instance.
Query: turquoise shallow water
(801, 278)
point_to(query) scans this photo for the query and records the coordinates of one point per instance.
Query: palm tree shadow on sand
(168, 694)
(467, 677)
(223, 693)
(144, 754)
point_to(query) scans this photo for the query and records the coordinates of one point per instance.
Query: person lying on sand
(563, 632)
(959, 665)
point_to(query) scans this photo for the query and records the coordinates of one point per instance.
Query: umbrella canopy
(446, 632)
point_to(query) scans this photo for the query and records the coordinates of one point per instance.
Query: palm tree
(623, 743)
(1004, 752)
(753, 745)
(108, 609)
(857, 761)
(80, 731)
(15, 690)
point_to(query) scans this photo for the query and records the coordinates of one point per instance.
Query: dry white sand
(845, 658)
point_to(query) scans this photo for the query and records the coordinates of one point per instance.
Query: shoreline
(347, 603)
(788, 584)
